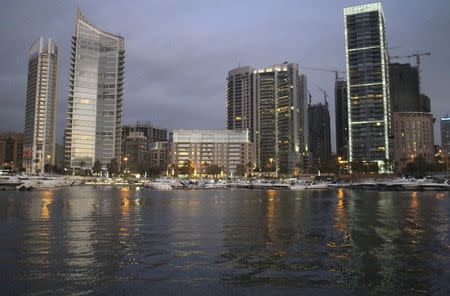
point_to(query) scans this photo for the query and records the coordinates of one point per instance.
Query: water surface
(86, 240)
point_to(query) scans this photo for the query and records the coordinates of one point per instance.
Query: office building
(95, 97)
(414, 136)
(368, 94)
(319, 134)
(445, 134)
(341, 118)
(40, 110)
(229, 150)
(11, 151)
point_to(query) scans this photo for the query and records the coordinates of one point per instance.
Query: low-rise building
(229, 150)
(413, 136)
(135, 154)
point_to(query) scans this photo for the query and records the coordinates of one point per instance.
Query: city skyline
(163, 61)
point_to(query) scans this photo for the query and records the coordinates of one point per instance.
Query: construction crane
(324, 94)
(336, 72)
(417, 56)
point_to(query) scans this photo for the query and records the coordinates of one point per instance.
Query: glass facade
(369, 109)
(445, 134)
(95, 97)
(39, 135)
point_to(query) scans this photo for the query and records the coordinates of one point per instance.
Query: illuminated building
(94, 122)
(39, 135)
(368, 97)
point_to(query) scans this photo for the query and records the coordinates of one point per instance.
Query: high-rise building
(95, 96)
(404, 88)
(39, 135)
(226, 149)
(368, 95)
(11, 151)
(272, 103)
(319, 134)
(341, 118)
(414, 136)
(279, 128)
(445, 134)
(241, 99)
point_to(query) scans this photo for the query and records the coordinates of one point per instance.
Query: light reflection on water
(123, 240)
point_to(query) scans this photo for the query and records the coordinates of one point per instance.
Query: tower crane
(324, 94)
(336, 72)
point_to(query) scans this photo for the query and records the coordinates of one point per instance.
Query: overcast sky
(178, 53)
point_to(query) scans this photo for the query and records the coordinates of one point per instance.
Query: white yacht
(163, 184)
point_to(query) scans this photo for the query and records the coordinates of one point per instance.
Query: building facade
(445, 134)
(241, 100)
(136, 154)
(227, 149)
(414, 136)
(94, 123)
(319, 134)
(40, 110)
(368, 92)
(150, 132)
(272, 103)
(341, 118)
(280, 129)
(11, 151)
(159, 155)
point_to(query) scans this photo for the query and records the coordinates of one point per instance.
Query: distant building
(414, 137)
(136, 153)
(445, 134)
(95, 103)
(159, 155)
(341, 118)
(241, 100)
(39, 135)
(228, 149)
(11, 151)
(319, 134)
(151, 133)
(368, 91)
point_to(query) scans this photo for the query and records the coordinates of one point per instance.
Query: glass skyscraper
(341, 114)
(94, 123)
(369, 106)
(39, 136)
(445, 134)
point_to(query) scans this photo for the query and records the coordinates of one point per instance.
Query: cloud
(178, 53)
